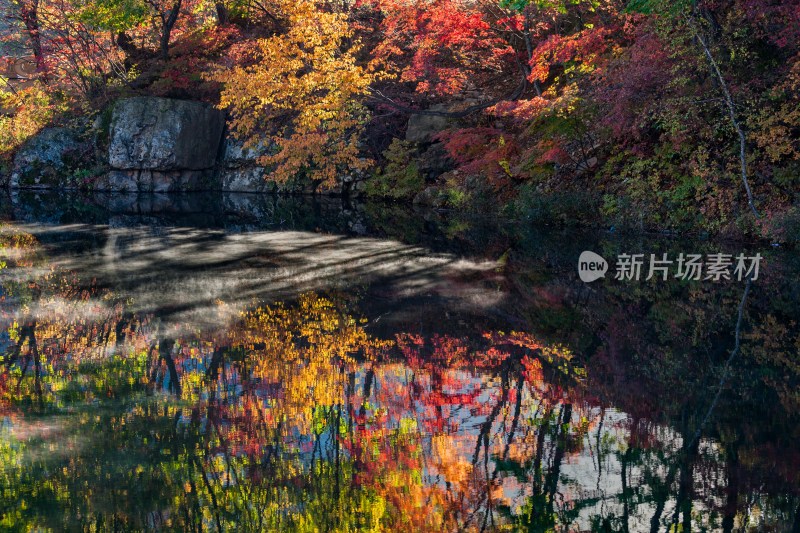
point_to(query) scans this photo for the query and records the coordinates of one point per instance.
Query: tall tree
(167, 14)
(306, 87)
(27, 12)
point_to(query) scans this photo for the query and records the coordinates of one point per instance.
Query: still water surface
(259, 364)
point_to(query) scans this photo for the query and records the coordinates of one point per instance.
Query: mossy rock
(48, 159)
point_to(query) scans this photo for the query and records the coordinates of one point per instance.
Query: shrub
(29, 110)
(400, 178)
(559, 208)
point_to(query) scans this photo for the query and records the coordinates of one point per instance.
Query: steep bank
(150, 144)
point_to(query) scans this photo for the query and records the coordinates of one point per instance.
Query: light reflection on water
(445, 375)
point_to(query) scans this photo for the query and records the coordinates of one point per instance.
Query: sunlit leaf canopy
(643, 113)
(113, 15)
(309, 74)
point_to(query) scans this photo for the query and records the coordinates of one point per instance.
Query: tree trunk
(164, 44)
(126, 44)
(729, 103)
(222, 13)
(168, 23)
(29, 13)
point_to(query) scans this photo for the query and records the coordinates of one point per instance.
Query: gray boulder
(242, 169)
(161, 134)
(422, 128)
(247, 179)
(44, 159)
(158, 181)
(235, 155)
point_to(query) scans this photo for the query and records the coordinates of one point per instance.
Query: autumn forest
(399, 265)
(646, 114)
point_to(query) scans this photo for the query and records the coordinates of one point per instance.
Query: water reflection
(177, 377)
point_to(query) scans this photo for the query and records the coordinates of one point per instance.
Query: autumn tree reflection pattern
(297, 417)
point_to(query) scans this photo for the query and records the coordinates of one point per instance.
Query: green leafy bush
(400, 178)
(559, 208)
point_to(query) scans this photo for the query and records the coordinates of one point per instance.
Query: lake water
(247, 363)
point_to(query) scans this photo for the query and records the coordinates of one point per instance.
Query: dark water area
(254, 363)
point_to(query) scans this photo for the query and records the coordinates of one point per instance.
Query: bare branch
(732, 113)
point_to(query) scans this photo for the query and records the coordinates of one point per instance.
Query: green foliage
(559, 6)
(649, 7)
(104, 123)
(788, 176)
(457, 196)
(565, 208)
(400, 178)
(657, 192)
(113, 15)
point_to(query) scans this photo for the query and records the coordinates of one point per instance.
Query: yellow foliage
(773, 132)
(308, 349)
(307, 83)
(30, 109)
(772, 127)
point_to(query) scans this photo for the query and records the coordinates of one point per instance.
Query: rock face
(422, 128)
(246, 179)
(158, 181)
(241, 170)
(235, 155)
(44, 159)
(433, 159)
(161, 134)
(350, 184)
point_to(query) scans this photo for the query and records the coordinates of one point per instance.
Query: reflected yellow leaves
(307, 351)
(292, 417)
